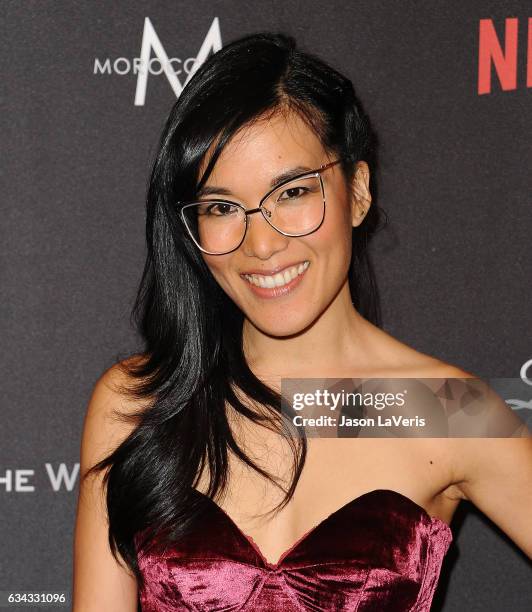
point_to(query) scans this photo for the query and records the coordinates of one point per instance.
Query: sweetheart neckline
(275, 566)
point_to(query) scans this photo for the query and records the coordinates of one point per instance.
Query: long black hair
(192, 365)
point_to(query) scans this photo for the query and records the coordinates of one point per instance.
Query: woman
(259, 214)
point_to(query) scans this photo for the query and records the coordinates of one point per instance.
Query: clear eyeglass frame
(260, 208)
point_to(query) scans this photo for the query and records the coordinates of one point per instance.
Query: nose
(262, 240)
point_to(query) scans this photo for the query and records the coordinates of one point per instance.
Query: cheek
(334, 236)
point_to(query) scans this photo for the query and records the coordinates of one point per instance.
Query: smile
(277, 280)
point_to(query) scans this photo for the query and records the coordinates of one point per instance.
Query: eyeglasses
(296, 207)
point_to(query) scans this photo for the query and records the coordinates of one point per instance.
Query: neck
(334, 343)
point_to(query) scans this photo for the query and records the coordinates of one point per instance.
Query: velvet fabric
(380, 551)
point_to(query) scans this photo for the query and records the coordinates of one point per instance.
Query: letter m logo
(150, 40)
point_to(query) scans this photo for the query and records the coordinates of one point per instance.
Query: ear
(360, 194)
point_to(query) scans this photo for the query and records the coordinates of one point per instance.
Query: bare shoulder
(112, 412)
(402, 360)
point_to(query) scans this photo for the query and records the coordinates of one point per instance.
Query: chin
(281, 325)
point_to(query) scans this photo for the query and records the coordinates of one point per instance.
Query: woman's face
(245, 169)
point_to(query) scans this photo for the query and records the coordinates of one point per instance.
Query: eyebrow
(276, 181)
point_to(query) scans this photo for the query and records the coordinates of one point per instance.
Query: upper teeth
(279, 279)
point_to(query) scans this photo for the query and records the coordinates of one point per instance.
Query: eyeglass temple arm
(325, 166)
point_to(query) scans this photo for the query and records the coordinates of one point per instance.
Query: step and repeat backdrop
(86, 89)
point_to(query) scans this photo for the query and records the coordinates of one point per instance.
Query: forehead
(265, 146)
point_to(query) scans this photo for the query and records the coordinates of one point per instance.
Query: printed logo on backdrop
(518, 392)
(526, 373)
(501, 53)
(496, 49)
(153, 60)
(526, 377)
(59, 479)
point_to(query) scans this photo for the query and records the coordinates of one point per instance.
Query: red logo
(503, 56)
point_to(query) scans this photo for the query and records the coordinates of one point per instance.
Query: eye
(219, 209)
(293, 193)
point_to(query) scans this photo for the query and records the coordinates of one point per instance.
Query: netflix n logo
(502, 53)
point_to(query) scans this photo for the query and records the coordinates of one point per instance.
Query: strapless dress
(380, 551)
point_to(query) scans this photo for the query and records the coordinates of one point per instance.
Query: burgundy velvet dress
(381, 552)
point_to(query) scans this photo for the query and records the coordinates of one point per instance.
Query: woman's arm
(498, 480)
(100, 583)
(496, 472)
